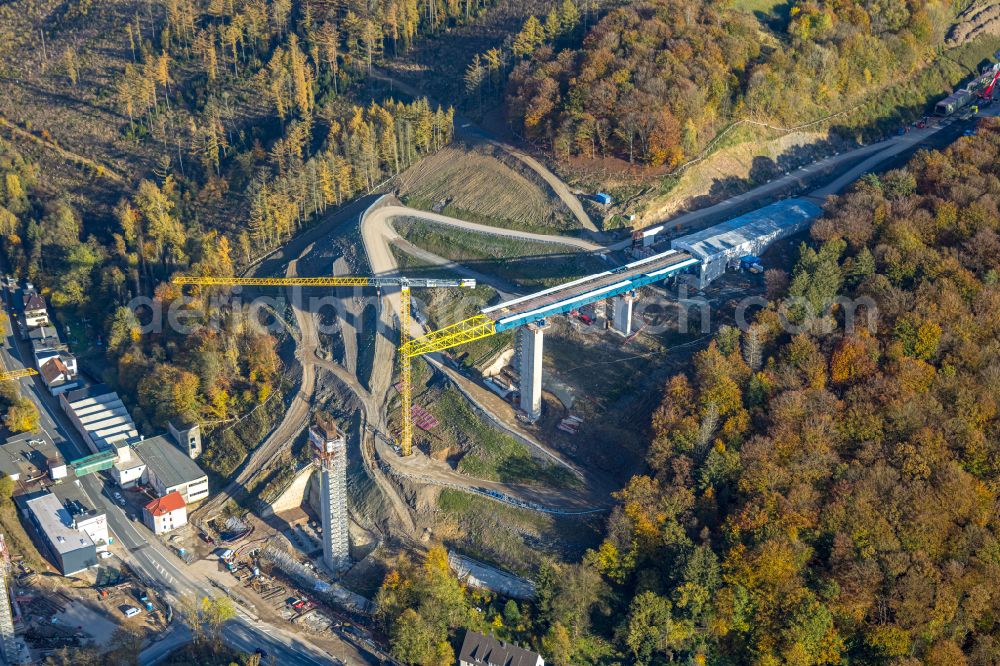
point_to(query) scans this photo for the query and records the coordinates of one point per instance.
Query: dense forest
(253, 117)
(654, 81)
(291, 64)
(817, 493)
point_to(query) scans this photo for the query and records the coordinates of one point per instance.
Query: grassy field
(483, 451)
(762, 6)
(490, 454)
(525, 263)
(18, 542)
(479, 187)
(514, 539)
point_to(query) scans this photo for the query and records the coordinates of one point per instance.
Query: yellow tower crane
(406, 353)
(17, 374)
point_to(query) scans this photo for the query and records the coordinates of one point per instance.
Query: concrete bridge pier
(532, 339)
(621, 320)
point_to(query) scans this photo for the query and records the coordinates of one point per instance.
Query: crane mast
(406, 351)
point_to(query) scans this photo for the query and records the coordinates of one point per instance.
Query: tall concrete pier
(621, 319)
(330, 448)
(532, 340)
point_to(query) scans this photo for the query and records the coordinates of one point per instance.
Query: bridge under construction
(530, 312)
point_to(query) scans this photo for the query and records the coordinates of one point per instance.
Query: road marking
(159, 567)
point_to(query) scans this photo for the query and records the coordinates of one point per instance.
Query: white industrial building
(164, 462)
(168, 469)
(100, 416)
(73, 533)
(720, 245)
(129, 470)
(157, 462)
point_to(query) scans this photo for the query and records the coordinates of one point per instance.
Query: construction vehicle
(987, 93)
(406, 350)
(960, 98)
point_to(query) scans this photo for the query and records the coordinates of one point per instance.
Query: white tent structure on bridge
(748, 234)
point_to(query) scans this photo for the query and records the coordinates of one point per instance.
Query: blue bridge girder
(590, 289)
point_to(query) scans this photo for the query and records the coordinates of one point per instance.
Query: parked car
(104, 554)
(118, 498)
(131, 611)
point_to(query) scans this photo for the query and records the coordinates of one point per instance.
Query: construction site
(486, 381)
(487, 430)
(42, 614)
(480, 385)
(473, 355)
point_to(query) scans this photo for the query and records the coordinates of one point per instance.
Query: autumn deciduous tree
(421, 604)
(171, 393)
(412, 639)
(855, 357)
(810, 495)
(692, 68)
(558, 646)
(22, 416)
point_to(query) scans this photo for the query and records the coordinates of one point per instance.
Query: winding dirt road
(377, 234)
(467, 129)
(561, 189)
(380, 216)
(296, 417)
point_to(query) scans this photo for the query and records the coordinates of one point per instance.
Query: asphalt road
(162, 568)
(829, 176)
(143, 551)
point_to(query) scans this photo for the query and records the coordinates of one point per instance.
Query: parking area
(134, 606)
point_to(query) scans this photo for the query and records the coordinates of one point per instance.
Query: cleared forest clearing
(474, 184)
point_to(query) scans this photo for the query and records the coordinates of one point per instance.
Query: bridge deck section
(590, 289)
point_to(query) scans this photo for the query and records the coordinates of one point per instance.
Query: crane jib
(346, 281)
(404, 283)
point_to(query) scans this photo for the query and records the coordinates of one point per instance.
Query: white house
(58, 377)
(165, 513)
(35, 313)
